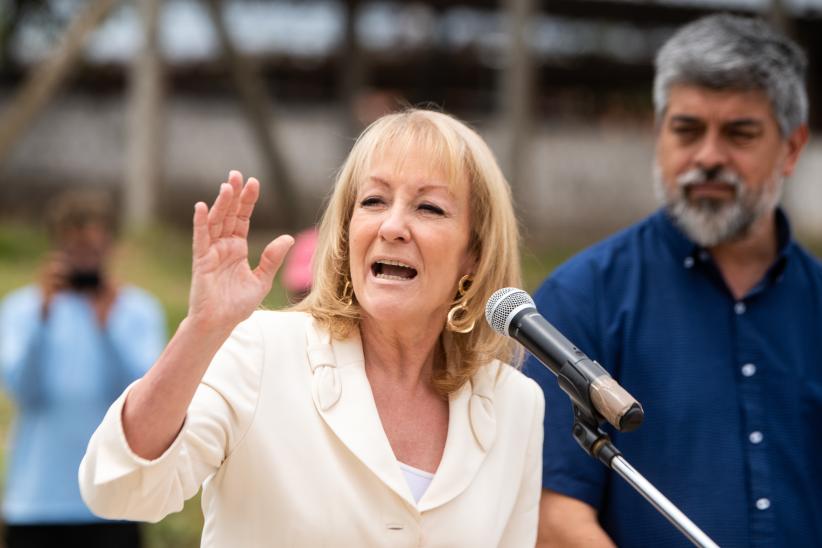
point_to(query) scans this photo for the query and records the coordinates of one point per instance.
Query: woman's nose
(394, 226)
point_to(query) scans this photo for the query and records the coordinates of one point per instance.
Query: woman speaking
(377, 412)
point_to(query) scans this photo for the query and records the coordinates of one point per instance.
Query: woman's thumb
(272, 257)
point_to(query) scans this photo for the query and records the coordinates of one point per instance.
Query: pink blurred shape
(297, 270)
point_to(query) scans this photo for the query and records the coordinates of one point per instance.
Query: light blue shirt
(63, 373)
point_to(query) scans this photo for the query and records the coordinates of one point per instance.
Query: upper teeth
(394, 263)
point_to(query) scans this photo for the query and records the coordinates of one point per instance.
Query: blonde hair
(494, 242)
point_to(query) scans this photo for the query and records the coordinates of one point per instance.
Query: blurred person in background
(708, 312)
(377, 412)
(298, 265)
(68, 346)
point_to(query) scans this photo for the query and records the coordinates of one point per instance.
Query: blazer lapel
(343, 397)
(472, 429)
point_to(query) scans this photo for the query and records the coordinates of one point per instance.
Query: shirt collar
(690, 253)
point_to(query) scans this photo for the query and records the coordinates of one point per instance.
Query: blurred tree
(49, 16)
(517, 89)
(46, 78)
(146, 125)
(11, 13)
(780, 18)
(255, 102)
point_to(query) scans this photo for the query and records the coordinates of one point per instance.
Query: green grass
(159, 260)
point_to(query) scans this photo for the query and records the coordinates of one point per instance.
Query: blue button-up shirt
(732, 389)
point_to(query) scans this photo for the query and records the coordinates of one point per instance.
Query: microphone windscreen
(503, 304)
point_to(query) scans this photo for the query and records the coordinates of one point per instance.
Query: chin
(391, 310)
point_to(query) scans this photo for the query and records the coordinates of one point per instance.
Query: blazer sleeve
(521, 529)
(118, 484)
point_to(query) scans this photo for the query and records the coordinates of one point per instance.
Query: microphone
(511, 312)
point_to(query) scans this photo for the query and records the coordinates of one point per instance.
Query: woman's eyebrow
(421, 190)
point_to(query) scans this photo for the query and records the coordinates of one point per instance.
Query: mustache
(699, 175)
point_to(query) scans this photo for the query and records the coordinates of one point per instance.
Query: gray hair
(727, 52)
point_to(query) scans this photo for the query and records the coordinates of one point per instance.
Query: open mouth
(392, 270)
(710, 188)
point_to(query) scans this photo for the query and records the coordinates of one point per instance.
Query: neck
(403, 357)
(744, 261)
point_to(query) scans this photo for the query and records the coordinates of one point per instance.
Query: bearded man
(708, 312)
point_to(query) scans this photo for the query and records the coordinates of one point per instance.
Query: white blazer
(285, 438)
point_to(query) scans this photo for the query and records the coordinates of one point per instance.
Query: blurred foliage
(47, 14)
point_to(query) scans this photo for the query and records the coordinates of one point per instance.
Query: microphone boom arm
(593, 391)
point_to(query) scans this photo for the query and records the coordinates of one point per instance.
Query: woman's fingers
(272, 258)
(217, 214)
(229, 215)
(248, 197)
(235, 179)
(201, 238)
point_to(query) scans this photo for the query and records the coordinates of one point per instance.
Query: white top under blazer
(285, 439)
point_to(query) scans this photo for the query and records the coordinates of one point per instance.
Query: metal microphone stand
(598, 444)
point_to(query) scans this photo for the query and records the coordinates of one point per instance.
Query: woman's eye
(431, 208)
(371, 201)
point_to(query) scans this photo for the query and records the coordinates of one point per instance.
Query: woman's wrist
(205, 328)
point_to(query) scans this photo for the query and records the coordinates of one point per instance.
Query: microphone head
(503, 305)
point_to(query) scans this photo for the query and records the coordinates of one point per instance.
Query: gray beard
(709, 222)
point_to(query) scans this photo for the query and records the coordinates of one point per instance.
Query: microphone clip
(592, 438)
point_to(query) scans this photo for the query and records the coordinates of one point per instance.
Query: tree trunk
(517, 92)
(351, 72)
(251, 90)
(144, 158)
(47, 77)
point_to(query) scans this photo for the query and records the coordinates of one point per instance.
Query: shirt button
(688, 262)
(755, 437)
(739, 307)
(763, 504)
(748, 370)
(703, 255)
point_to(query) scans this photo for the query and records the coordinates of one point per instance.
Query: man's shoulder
(619, 253)
(809, 261)
(25, 296)
(136, 297)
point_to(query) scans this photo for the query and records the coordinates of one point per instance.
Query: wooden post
(145, 135)
(351, 72)
(252, 93)
(517, 92)
(780, 18)
(46, 79)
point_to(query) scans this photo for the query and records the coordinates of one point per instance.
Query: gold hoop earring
(347, 297)
(459, 310)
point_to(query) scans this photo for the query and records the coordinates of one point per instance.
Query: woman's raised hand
(225, 290)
